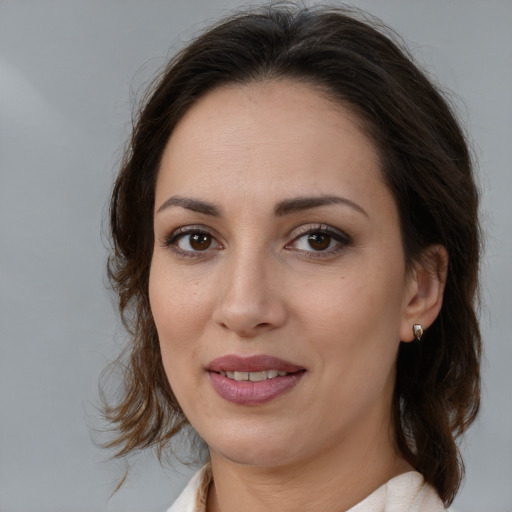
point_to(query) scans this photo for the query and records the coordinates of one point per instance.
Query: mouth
(253, 380)
(253, 376)
(256, 365)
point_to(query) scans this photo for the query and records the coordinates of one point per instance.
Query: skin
(260, 287)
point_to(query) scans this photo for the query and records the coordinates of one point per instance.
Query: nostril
(263, 325)
(248, 331)
(255, 330)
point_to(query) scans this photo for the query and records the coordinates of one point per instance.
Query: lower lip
(253, 393)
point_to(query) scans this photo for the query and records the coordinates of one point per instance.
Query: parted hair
(425, 161)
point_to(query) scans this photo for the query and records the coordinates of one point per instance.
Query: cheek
(355, 319)
(179, 307)
(178, 310)
(359, 301)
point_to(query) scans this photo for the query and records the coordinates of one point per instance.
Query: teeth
(257, 376)
(253, 376)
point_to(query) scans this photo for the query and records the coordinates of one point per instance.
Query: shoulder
(404, 493)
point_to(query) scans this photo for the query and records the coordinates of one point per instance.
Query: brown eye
(195, 242)
(319, 241)
(200, 241)
(189, 242)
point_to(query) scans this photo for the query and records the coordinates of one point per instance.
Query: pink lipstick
(252, 380)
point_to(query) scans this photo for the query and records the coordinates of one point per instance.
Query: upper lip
(256, 363)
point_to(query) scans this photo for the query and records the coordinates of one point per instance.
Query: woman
(296, 250)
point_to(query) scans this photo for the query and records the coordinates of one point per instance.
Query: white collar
(407, 492)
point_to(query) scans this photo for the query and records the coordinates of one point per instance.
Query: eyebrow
(305, 203)
(285, 207)
(196, 205)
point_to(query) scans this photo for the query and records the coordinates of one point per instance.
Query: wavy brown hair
(425, 162)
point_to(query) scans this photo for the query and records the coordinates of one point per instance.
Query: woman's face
(278, 284)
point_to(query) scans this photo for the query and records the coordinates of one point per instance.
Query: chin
(255, 456)
(260, 448)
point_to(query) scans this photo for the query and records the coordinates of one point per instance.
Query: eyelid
(342, 238)
(305, 229)
(170, 241)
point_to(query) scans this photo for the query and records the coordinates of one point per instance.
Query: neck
(335, 480)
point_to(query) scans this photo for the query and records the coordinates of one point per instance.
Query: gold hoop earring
(417, 329)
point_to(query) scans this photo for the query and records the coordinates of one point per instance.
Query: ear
(424, 291)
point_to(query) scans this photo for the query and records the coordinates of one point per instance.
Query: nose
(251, 299)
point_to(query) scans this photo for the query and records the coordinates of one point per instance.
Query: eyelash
(342, 241)
(341, 238)
(172, 240)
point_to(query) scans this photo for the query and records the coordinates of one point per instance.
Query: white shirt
(404, 493)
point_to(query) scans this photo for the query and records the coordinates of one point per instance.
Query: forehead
(264, 138)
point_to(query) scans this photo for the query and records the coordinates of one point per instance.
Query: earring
(417, 329)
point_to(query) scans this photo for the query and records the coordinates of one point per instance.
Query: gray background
(69, 73)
